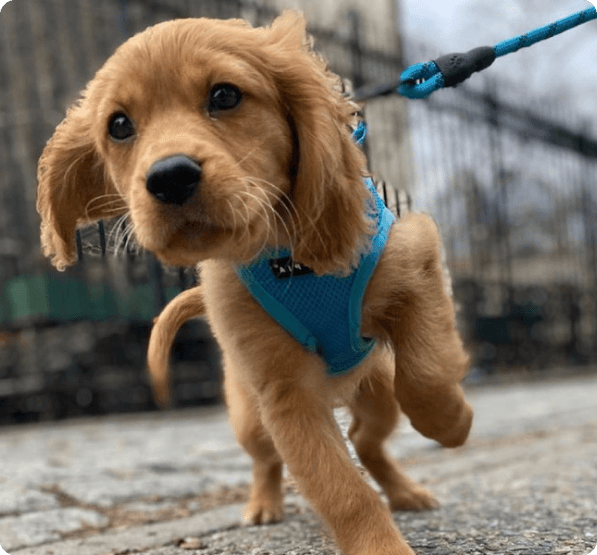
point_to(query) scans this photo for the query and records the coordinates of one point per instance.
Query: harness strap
(322, 313)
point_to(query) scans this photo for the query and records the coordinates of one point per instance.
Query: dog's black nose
(174, 180)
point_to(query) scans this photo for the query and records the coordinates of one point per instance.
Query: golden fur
(188, 304)
(278, 170)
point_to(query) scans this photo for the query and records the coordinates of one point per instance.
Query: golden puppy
(225, 144)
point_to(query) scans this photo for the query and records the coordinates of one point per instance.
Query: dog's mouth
(229, 217)
(175, 237)
(180, 240)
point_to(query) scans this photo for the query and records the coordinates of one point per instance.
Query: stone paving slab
(16, 499)
(143, 537)
(537, 498)
(162, 468)
(532, 494)
(47, 526)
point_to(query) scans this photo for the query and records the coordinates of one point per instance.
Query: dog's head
(219, 141)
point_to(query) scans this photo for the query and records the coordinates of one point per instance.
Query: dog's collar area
(323, 313)
(286, 268)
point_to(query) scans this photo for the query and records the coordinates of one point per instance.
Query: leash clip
(420, 80)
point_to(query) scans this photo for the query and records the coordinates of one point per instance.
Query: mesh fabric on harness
(323, 313)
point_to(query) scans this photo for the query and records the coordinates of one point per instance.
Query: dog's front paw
(446, 418)
(264, 510)
(457, 433)
(414, 498)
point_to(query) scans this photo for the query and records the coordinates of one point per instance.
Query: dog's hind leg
(266, 501)
(376, 414)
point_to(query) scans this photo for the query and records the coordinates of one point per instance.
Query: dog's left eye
(224, 97)
(120, 127)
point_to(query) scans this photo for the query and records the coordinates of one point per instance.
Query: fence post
(155, 274)
(356, 49)
(356, 60)
(589, 212)
(501, 205)
(124, 18)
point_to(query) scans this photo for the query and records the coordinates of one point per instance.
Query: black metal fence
(514, 188)
(511, 186)
(74, 343)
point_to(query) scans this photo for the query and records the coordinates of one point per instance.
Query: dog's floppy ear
(73, 187)
(329, 195)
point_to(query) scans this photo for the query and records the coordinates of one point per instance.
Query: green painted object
(49, 298)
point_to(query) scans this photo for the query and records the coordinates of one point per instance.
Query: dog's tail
(187, 305)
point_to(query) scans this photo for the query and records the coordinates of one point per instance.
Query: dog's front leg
(291, 394)
(430, 358)
(307, 437)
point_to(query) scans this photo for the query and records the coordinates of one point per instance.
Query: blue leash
(421, 80)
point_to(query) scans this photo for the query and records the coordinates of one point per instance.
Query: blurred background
(506, 164)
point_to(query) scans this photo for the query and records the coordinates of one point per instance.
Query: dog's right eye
(224, 97)
(121, 127)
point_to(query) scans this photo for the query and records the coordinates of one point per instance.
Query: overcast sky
(564, 66)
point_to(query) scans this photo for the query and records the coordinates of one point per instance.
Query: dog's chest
(322, 313)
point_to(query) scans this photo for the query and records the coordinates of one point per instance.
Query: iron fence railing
(514, 191)
(59, 327)
(511, 185)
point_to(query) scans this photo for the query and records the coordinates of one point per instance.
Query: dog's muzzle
(174, 180)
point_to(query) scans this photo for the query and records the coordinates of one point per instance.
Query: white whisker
(130, 244)
(291, 208)
(236, 228)
(114, 230)
(122, 236)
(262, 211)
(277, 216)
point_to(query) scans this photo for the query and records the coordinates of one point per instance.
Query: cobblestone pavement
(174, 483)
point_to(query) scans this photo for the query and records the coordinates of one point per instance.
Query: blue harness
(323, 313)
